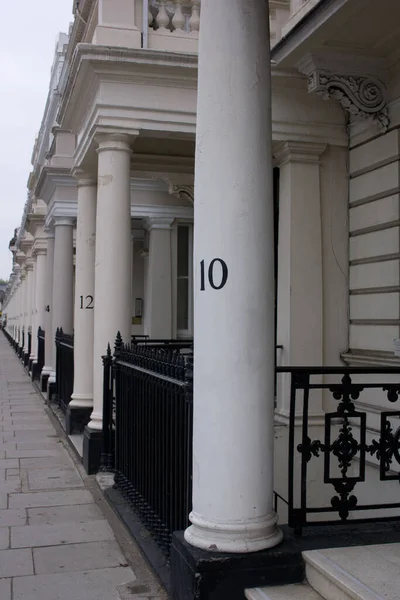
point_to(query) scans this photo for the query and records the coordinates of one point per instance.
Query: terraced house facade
(223, 172)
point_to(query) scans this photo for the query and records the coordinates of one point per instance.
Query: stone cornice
(59, 210)
(39, 246)
(50, 179)
(147, 211)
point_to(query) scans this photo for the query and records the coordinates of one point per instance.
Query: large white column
(33, 312)
(63, 280)
(82, 396)
(48, 301)
(234, 284)
(22, 303)
(113, 261)
(63, 275)
(39, 296)
(28, 301)
(158, 309)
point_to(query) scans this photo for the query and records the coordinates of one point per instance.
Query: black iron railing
(352, 450)
(64, 368)
(148, 411)
(38, 366)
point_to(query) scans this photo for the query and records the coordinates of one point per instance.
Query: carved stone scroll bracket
(185, 191)
(362, 96)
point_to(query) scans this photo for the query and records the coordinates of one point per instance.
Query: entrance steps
(354, 573)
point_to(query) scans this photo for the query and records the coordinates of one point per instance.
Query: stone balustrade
(174, 25)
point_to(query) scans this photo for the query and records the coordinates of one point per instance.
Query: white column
(48, 301)
(33, 312)
(300, 284)
(39, 295)
(28, 301)
(22, 303)
(158, 309)
(63, 276)
(40, 287)
(113, 261)
(234, 320)
(82, 396)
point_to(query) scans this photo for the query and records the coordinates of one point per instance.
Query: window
(184, 295)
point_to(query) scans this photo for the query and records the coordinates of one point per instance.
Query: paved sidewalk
(55, 543)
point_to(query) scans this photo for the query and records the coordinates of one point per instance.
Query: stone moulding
(361, 96)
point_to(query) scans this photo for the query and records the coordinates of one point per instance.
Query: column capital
(299, 152)
(83, 178)
(29, 264)
(64, 221)
(158, 223)
(49, 231)
(118, 142)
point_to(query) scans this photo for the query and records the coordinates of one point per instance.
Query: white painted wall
(374, 244)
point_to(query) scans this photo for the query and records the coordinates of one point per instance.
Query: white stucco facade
(112, 204)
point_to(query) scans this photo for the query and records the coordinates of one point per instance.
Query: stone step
(335, 581)
(298, 591)
(352, 573)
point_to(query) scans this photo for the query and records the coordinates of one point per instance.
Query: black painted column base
(51, 391)
(34, 370)
(43, 381)
(200, 575)
(92, 445)
(26, 359)
(76, 419)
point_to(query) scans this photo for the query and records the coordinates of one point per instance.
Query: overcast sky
(28, 35)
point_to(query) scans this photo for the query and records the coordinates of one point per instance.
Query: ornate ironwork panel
(344, 446)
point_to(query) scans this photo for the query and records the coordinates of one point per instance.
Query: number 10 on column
(211, 277)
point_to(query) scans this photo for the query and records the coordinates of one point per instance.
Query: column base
(34, 373)
(26, 359)
(253, 536)
(92, 446)
(51, 387)
(43, 381)
(77, 418)
(217, 576)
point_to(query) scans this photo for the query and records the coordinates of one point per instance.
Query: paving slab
(4, 538)
(52, 444)
(78, 557)
(64, 498)
(14, 563)
(9, 463)
(19, 427)
(5, 589)
(27, 453)
(86, 585)
(13, 517)
(40, 462)
(32, 436)
(81, 513)
(47, 479)
(30, 536)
